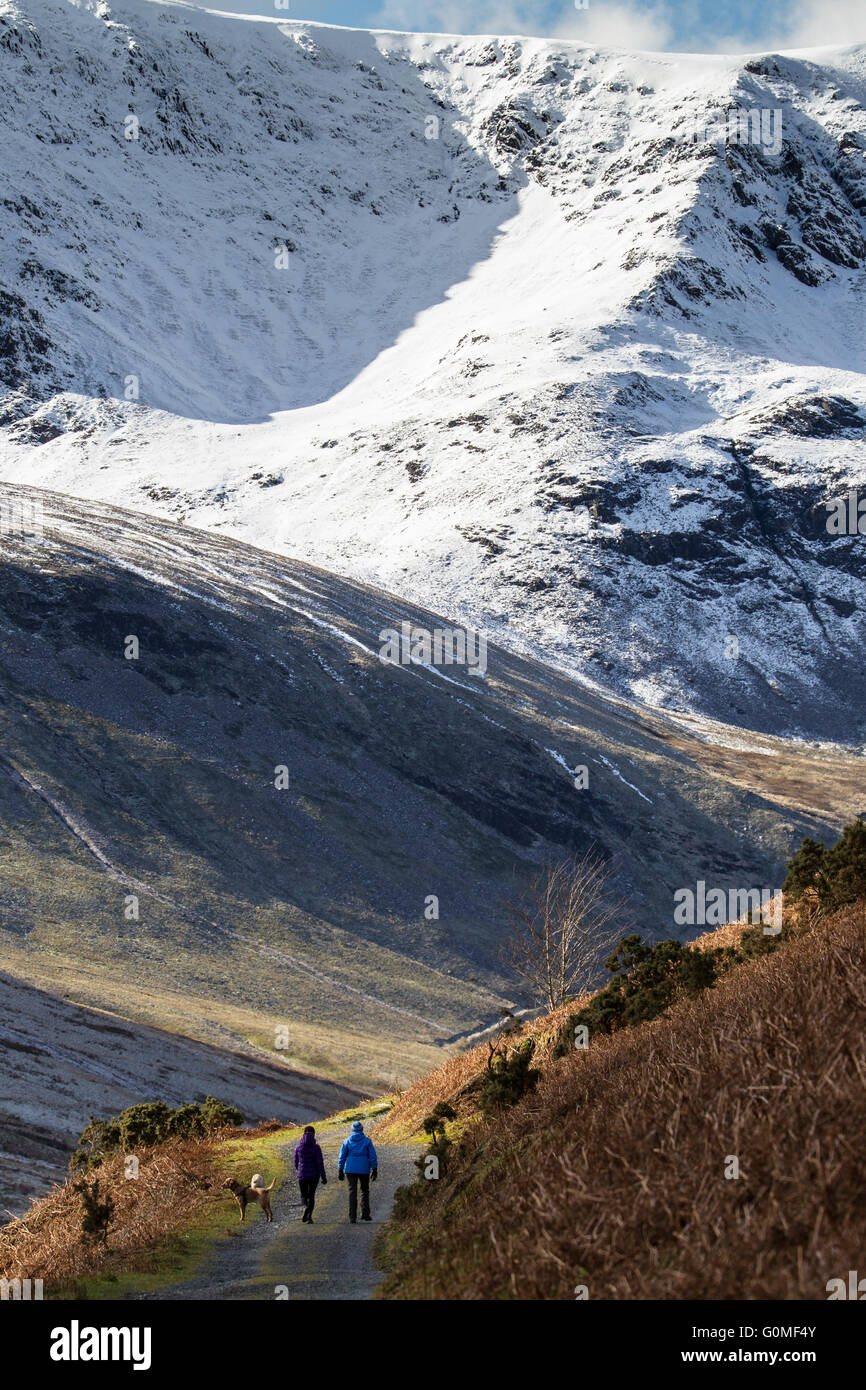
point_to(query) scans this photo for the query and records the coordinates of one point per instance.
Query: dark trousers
(308, 1193)
(353, 1179)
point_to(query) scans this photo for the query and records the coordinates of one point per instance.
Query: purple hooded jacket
(308, 1159)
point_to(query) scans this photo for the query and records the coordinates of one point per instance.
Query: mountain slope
(149, 785)
(594, 382)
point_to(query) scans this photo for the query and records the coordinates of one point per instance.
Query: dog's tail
(258, 1183)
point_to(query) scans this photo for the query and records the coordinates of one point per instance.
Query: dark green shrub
(145, 1124)
(98, 1138)
(407, 1199)
(845, 868)
(508, 1078)
(217, 1115)
(186, 1123)
(435, 1123)
(97, 1214)
(440, 1146)
(151, 1122)
(565, 1038)
(805, 869)
(649, 979)
(838, 875)
(754, 943)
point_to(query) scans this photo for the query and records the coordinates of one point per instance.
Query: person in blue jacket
(358, 1162)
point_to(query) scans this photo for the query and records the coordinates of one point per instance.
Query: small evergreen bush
(440, 1145)
(649, 979)
(150, 1122)
(96, 1215)
(509, 1077)
(837, 875)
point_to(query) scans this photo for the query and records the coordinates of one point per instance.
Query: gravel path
(330, 1259)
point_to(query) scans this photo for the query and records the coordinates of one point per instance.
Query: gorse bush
(435, 1123)
(216, 1114)
(804, 869)
(440, 1146)
(151, 1122)
(508, 1078)
(97, 1213)
(837, 875)
(648, 980)
(754, 942)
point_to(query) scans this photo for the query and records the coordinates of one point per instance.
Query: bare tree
(563, 928)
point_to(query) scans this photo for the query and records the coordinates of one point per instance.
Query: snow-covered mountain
(469, 318)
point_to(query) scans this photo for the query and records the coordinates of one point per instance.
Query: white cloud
(817, 22)
(617, 26)
(612, 25)
(450, 17)
(627, 24)
(809, 24)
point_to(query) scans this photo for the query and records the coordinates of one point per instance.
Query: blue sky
(690, 25)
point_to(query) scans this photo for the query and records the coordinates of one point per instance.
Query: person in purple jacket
(310, 1166)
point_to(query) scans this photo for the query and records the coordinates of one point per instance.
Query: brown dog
(255, 1193)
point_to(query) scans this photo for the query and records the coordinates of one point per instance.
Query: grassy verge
(165, 1220)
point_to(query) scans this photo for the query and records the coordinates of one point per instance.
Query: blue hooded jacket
(357, 1154)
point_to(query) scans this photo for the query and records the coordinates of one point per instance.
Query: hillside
(148, 786)
(710, 1154)
(316, 341)
(457, 1080)
(595, 381)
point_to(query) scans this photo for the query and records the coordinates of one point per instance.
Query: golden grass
(448, 1082)
(612, 1175)
(176, 1182)
(326, 1051)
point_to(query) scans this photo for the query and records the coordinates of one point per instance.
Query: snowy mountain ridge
(473, 319)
